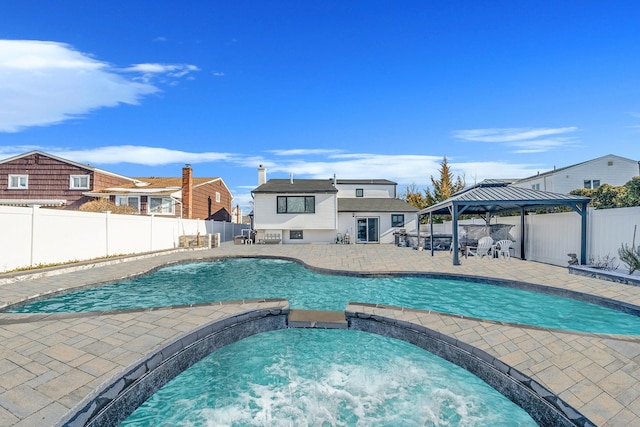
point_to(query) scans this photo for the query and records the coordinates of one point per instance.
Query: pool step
(317, 319)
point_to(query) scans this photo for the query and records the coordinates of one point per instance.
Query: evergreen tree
(445, 187)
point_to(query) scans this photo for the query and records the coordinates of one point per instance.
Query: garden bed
(619, 275)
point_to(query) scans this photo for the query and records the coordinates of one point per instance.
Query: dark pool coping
(545, 407)
(118, 397)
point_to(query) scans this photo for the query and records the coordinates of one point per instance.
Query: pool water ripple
(237, 279)
(278, 379)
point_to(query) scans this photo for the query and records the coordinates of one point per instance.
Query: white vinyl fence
(550, 237)
(227, 230)
(36, 236)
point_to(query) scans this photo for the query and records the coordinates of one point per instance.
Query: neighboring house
(610, 169)
(38, 178)
(320, 210)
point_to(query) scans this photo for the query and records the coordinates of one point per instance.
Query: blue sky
(360, 89)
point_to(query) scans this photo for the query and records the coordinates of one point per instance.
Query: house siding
(563, 181)
(267, 216)
(220, 211)
(48, 179)
(347, 224)
(370, 190)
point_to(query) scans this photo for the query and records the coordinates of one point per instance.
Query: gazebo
(491, 197)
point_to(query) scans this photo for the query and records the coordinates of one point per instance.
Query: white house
(610, 169)
(322, 210)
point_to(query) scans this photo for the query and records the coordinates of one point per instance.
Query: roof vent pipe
(334, 180)
(291, 178)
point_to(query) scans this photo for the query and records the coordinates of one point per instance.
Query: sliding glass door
(367, 230)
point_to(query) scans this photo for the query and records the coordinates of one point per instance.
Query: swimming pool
(277, 378)
(249, 278)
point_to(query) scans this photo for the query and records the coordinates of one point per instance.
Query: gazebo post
(583, 238)
(431, 231)
(522, 233)
(454, 235)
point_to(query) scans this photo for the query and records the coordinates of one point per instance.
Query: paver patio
(49, 363)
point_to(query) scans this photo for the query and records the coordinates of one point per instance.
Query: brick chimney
(187, 186)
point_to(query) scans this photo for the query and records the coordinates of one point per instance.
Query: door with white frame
(367, 230)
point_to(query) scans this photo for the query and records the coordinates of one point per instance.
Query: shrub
(630, 256)
(102, 205)
(604, 263)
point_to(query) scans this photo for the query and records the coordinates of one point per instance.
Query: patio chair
(485, 244)
(339, 239)
(504, 248)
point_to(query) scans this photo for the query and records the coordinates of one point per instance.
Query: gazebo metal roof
(497, 196)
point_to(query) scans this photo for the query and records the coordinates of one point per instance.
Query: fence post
(151, 233)
(34, 213)
(107, 217)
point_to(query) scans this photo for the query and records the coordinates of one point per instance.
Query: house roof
(365, 204)
(551, 172)
(32, 202)
(495, 196)
(366, 181)
(153, 186)
(169, 182)
(284, 186)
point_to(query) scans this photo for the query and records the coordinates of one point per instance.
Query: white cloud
(141, 155)
(525, 140)
(304, 152)
(149, 156)
(44, 83)
(509, 134)
(404, 169)
(171, 70)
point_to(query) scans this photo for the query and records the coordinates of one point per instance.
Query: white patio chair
(484, 246)
(504, 248)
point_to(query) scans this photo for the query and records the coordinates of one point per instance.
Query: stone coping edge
(117, 398)
(36, 273)
(610, 276)
(546, 408)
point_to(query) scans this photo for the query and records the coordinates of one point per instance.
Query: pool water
(237, 279)
(308, 377)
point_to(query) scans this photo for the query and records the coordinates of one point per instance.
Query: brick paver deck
(49, 363)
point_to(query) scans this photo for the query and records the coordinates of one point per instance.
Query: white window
(133, 201)
(161, 205)
(535, 186)
(20, 182)
(217, 197)
(79, 182)
(592, 184)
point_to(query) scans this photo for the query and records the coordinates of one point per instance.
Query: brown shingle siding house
(50, 180)
(37, 178)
